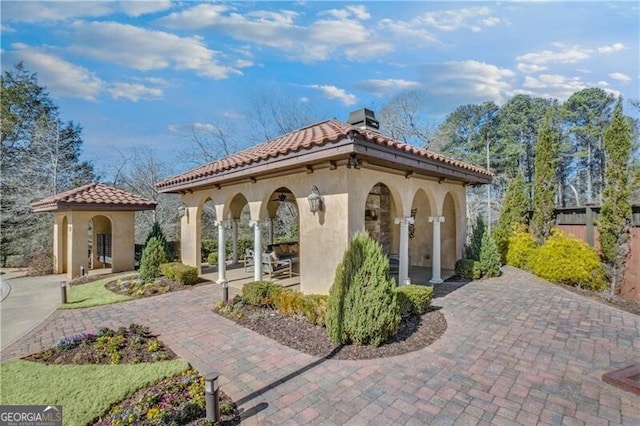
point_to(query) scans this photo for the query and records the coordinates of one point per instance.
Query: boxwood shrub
(182, 274)
(260, 293)
(414, 299)
(468, 268)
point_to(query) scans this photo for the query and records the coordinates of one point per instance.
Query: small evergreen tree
(489, 257)
(156, 232)
(472, 251)
(152, 257)
(362, 306)
(515, 211)
(544, 182)
(615, 216)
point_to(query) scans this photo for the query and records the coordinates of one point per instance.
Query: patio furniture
(271, 265)
(248, 259)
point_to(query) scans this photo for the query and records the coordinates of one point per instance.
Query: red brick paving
(517, 350)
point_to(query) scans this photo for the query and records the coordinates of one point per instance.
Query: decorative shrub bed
(137, 288)
(124, 346)
(175, 400)
(297, 320)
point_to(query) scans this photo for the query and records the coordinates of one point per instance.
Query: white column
(436, 220)
(257, 250)
(403, 268)
(234, 240)
(222, 264)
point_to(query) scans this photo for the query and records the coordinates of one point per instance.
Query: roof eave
(61, 206)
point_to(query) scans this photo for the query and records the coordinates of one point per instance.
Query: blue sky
(141, 74)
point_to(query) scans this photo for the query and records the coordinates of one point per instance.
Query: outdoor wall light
(315, 200)
(183, 211)
(354, 161)
(211, 387)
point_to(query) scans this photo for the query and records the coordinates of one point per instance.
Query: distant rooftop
(94, 196)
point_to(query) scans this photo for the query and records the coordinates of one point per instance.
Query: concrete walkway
(517, 350)
(26, 303)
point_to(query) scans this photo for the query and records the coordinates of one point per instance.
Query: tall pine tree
(544, 181)
(615, 216)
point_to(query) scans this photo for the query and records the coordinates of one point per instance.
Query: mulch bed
(414, 333)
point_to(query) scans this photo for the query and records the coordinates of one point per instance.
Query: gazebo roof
(313, 144)
(94, 196)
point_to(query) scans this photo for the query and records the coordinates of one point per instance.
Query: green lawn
(94, 294)
(84, 391)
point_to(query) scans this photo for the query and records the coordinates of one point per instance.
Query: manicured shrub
(185, 275)
(260, 293)
(168, 269)
(521, 245)
(156, 232)
(314, 308)
(288, 302)
(472, 250)
(568, 260)
(468, 268)
(489, 257)
(152, 257)
(212, 259)
(414, 299)
(515, 210)
(362, 306)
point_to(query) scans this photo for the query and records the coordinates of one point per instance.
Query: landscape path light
(211, 390)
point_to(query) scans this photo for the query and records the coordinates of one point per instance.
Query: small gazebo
(93, 228)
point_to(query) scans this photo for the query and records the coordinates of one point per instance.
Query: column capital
(436, 219)
(254, 224)
(222, 223)
(404, 220)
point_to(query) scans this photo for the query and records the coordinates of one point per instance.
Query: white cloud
(201, 127)
(338, 31)
(451, 84)
(557, 86)
(610, 49)
(530, 68)
(205, 127)
(388, 86)
(471, 18)
(143, 49)
(409, 30)
(304, 100)
(134, 91)
(548, 56)
(39, 11)
(620, 77)
(566, 55)
(62, 78)
(333, 92)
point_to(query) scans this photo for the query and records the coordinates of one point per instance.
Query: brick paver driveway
(517, 351)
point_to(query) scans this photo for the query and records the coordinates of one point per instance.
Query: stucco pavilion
(93, 228)
(411, 200)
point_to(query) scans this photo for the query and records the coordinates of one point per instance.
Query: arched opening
(421, 232)
(100, 242)
(448, 233)
(379, 213)
(208, 230)
(283, 233)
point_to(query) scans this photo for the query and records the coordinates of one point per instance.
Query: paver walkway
(517, 351)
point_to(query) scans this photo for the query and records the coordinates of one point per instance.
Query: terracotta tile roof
(96, 196)
(306, 138)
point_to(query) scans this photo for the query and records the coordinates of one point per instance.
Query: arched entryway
(100, 242)
(379, 213)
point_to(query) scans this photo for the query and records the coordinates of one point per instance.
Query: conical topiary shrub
(152, 257)
(362, 306)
